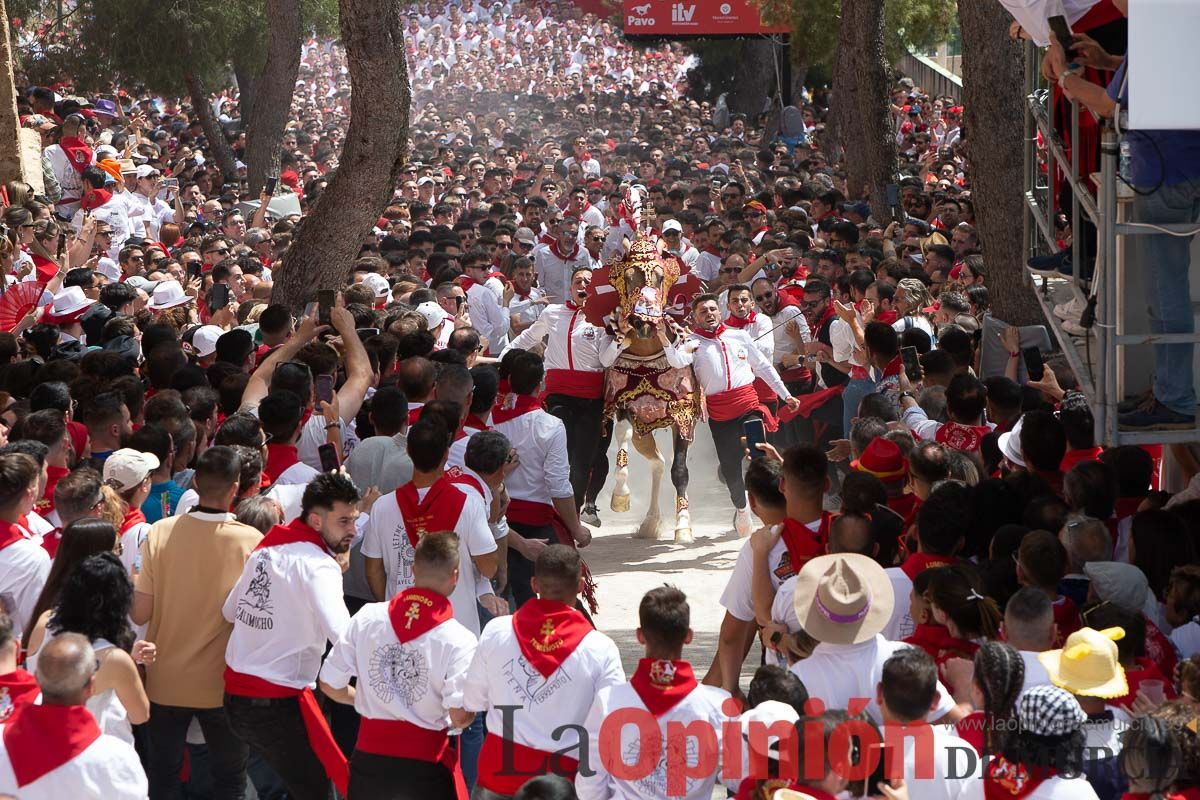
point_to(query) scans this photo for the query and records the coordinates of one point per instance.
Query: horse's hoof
(648, 530)
(684, 536)
(619, 503)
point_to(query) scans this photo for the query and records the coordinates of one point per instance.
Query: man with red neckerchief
(664, 687)
(941, 522)
(404, 726)
(557, 261)
(284, 608)
(540, 486)
(549, 662)
(428, 503)
(24, 563)
(54, 749)
(576, 354)
(726, 362)
(487, 315)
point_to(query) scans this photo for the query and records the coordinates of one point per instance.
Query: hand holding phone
(324, 388)
(912, 363)
(755, 433)
(329, 458)
(325, 302)
(269, 188)
(218, 297)
(1033, 363)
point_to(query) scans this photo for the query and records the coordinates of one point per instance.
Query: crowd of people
(251, 550)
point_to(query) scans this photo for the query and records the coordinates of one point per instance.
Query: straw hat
(843, 598)
(1087, 664)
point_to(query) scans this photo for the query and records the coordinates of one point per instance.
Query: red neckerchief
(466, 283)
(828, 314)
(937, 641)
(95, 199)
(132, 517)
(893, 367)
(886, 317)
(547, 239)
(661, 684)
(294, 531)
(703, 334)
(415, 612)
(439, 511)
(11, 533)
(458, 476)
(46, 269)
(571, 304)
(1126, 506)
(548, 632)
(1073, 457)
(733, 322)
(524, 404)
(564, 256)
(917, 563)
(19, 687)
(78, 153)
(40, 739)
(279, 458)
(1004, 780)
(713, 251)
(475, 423)
(803, 544)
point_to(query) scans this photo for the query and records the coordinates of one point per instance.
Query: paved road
(626, 568)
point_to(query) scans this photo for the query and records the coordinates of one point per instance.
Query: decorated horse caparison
(643, 290)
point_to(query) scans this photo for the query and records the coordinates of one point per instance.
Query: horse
(642, 390)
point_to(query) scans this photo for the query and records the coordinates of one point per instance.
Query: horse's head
(643, 280)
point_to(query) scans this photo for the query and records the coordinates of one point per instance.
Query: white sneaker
(742, 522)
(1074, 328)
(1072, 309)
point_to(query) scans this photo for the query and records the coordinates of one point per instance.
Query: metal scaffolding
(1099, 358)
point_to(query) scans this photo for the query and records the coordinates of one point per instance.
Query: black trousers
(274, 729)
(520, 568)
(587, 442)
(166, 733)
(727, 438)
(374, 777)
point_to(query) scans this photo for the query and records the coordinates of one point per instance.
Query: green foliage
(814, 24)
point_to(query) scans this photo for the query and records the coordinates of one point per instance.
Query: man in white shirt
(284, 608)
(55, 749)
(24, 564)
(486, 314)
(535, 675)
(938, 765)
(429, 503)
(1029, 627)
(410, 657)
(281, 414)
(557, 261)
(677, 246)
(527, 301)
(99, 202)
(540, 486)
(726, 363)
(665, 689)
(147, 212)
(843, 601)
(575, 359)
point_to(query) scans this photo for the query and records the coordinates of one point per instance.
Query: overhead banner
(694, 18)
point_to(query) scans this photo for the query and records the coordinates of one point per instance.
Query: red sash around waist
(505, 766)
(734, 403)
(399, 738)
(320, 738)
(529, 512)
(575, 383)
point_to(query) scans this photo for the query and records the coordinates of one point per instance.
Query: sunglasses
(504, 245)
(810, 304)
(764, 297)
(223, 251)
(730, 271)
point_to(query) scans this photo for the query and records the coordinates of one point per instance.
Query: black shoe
(1052, 265)
(1158, 417)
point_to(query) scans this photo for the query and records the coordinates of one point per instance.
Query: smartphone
(367, 333)
(1033, 363)
(218, 297)
(269, 188)
(194, 269)
(893, 201)
(324, 388)
(329, 458)
(325, 300)
(170, 183)
(912, 363)
(756, 433)
(1062, 32)
(62, 245)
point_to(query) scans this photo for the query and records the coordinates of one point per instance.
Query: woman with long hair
(963, 616)
(1046, 746)
(20, 223)
(95, 602)
(81, 539)
(996, 683)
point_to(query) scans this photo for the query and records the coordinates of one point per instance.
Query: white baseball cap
(672, 225)
(434, 314)
(204, 340)
(425, 180)
(128, 467)
(377, 283)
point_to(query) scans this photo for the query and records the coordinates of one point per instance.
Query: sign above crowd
(699, 18)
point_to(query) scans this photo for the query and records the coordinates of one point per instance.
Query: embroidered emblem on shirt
(258, 598)
(398, 671)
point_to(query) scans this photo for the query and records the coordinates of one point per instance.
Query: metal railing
(936, 80)
(1098, 359)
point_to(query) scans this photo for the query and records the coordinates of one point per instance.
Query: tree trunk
(243, 74)
(217, 143)
(754, 78)
(860, 86)
(993, 87)
(327, 242)
(272, 93)
(10, 138)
